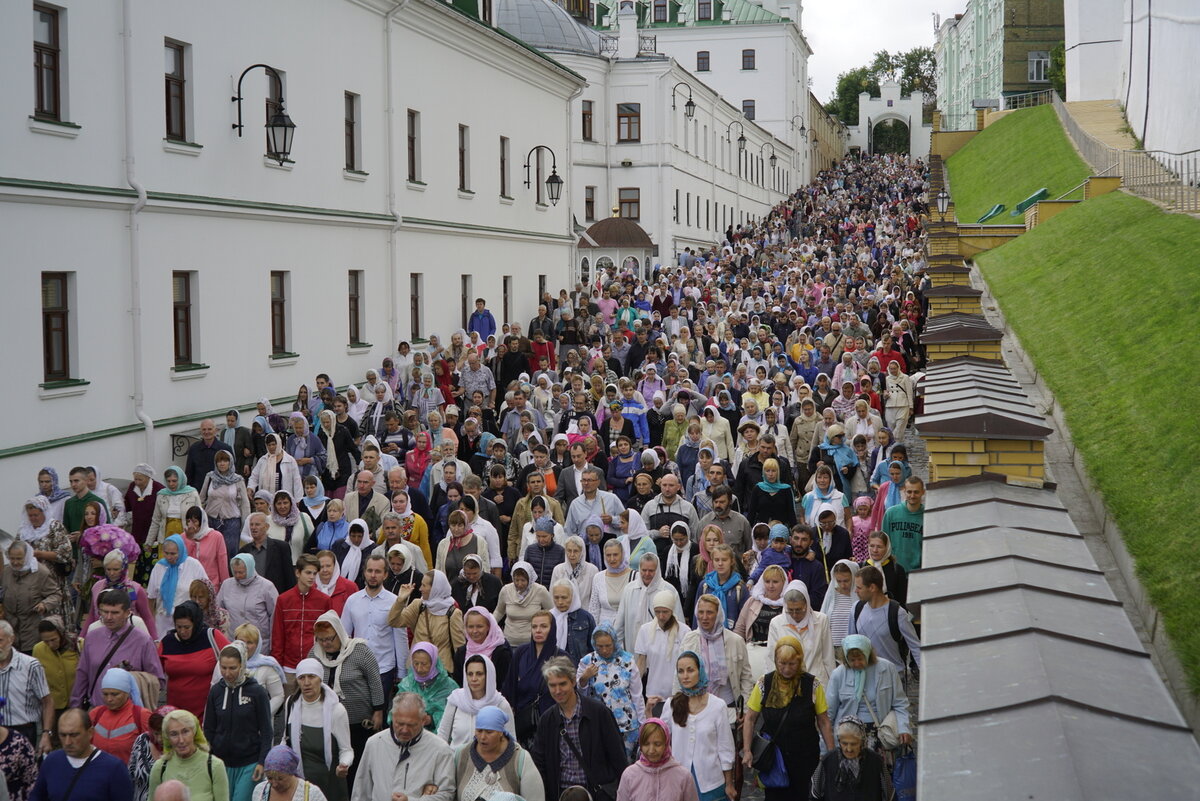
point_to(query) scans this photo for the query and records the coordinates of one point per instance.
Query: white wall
(1092, 32)
(1170, 89)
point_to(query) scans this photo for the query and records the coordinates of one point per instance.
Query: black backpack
(893, 627)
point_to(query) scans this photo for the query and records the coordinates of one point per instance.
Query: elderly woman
(576, 569)
(637, 599)
(189, 658)
(611, 675)
(868, 686)
(316, 727)
(171, 581)
(851, 771)
(433, 617)
(48, 538)
(237, 721)
(249, 598)
(276, 470)
(492, 764)
(792, 705)
(427, 679)
(351, 669)
(609, 585)
(187, 757)
(287, 524)
(573, 624)
(284, 782)
(116, 577)
(305, 447)
(519, 601)
(807, 625)
(30, 593)
(464, 705)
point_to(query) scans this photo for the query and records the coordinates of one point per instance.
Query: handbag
(904, 775)
(777, 776)
(888, 731)
(526, 722)
(764, 751)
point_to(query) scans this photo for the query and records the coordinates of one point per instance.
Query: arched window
(585, 271)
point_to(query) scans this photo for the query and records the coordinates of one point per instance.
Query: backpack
(893, 627)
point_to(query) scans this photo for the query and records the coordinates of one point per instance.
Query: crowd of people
(652, 545)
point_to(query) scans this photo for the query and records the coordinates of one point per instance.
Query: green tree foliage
(913, 69)
(890, 137)
(1057, 73)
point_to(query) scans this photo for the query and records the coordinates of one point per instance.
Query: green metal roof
(742, 12)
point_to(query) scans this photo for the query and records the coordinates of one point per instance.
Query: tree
(1057, 73)
(913, 69)
(844, 103)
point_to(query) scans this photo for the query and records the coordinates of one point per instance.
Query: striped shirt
(23, 683)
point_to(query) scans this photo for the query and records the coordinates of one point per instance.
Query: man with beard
(365, 616)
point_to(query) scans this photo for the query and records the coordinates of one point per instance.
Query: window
(687, 208)
(707, 214)
(587, 121)
(414, 146)
(56, 338)
(467, 305)
(660, 10)
(47, 64)
(748, 109)
(464, 158)
(414, 308)
(279, 308)
(747, 59)
(176, 100)
(354, 297)
(630, 201)
(506, 284)
(629, 122)
(181, 298)
(485, 11)
(504, 166)
(352, 131)
(702, 61)
(1039, 62)
(675, 209)
(274, 103)
(704, 9)
(589, 203)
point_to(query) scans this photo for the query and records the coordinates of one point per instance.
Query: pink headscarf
(493, 639)
(666, 757)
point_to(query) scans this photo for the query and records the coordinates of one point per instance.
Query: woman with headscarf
(276, 471)
(868, 686)
(305, 447)
(265, 669)
(793, 708)
(479, 690)
(237, 722)
(249, 598)
(417, 460)
(484, 637)
(430, 397)
(839, 602)
(356, 403)
(304, 402)
(700, 730)
(608, 586)
(462, 540)
(525, 686)
(809, 626)
(765, 604)
(287, 524)
(352, 552)
(637, 598)
(341, 454)
(837, 455)
(610, 674)
(116, 577)
(171, 581)
(656, 646)
(725, 584)
(771, 499)
(223, 498)
(573, 625)
(47, 538)
(427, 678)
(890, 493)
(122, 717)
(519, 601)
(726, 661)
(55, 495)
(351, 669)
(205, 596)
(895, 577)
(170, 505)
(576, 569)
(206, 545)
(187, 757)
(656, 775)
(284, 779)
(825, 495)
(851, 771)
(59, 655)
(189, 655)
(433, 617)
(403, 579)
(315, 726)
(260, 428)
(332, 526)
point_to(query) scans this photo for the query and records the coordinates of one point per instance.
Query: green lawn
(1010, 160)
(1105, 299)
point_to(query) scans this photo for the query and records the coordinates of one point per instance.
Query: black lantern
(689, 108)
(741, 140)
(280, 128)
(943, 201)
(554, 184)
(801, 129)
(763, 147)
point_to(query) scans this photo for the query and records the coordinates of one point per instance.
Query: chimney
(627, 30)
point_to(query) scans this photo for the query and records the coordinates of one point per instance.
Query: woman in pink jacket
(656, 776)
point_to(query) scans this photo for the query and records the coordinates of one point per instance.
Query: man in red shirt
(296, 612)
(887, 354)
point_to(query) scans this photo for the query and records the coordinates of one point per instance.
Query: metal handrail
(1026, 99)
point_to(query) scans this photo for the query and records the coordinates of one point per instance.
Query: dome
(617, 232)
(545, 25)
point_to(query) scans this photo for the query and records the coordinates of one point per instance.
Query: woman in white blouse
(607, 586)
(700, 735)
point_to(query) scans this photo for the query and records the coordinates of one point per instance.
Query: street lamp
(741, 140)
(943, 202)
(689, 108)
(773, 160)
(280, 128)
(554, 183)
(802, 129)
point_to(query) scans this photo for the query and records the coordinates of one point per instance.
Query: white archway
(891, 105)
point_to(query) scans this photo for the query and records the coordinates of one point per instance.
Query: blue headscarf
(857, 642)
(171, 578)
(319, 499)
(265, 424)
(607, 628)
(118, 679)
(247, 561)
(843, 455)
(259, 659)
(701, 685)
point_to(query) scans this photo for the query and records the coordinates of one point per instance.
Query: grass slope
(1104, 298)
(1010, 160)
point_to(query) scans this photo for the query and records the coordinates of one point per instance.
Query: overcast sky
(845, 34)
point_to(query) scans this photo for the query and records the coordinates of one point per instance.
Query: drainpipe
(573, 253)
(135, 259)
(389, 154)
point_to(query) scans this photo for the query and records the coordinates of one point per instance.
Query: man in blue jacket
(81, 771)
(481, 320)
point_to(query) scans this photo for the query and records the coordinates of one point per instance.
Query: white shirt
(366, 617)
(660, 652)
(705, 744)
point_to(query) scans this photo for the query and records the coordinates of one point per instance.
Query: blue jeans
(231, 530)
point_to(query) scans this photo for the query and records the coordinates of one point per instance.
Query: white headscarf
(798, 628)
(353, 561)
(27, 530)
(440, 600)
(462, 697)
(312, 667)
(560, 618)
(30, 563)
(828, 602)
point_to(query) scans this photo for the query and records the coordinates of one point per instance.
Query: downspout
(135, 259)
(572, 252)
(389, 152)
(666, 242)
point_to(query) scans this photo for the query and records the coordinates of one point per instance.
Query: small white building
(890, 106)
(160, 268)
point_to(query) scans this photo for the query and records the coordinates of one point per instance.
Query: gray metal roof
(546, 26)
(1035, 684)
(959, 327)
(975, 399)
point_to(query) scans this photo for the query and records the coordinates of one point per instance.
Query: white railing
(1172, 179)
(1026, 99)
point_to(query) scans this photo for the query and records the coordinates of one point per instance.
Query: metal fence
(1026, 99)
(1172, 179)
